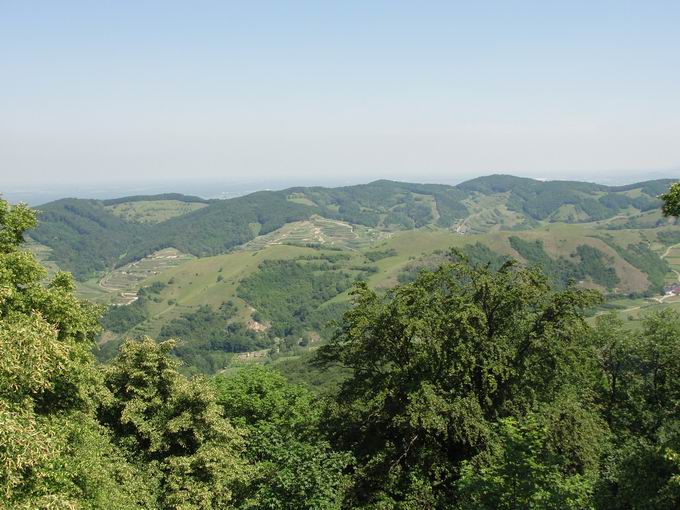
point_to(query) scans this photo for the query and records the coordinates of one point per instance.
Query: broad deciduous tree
(437, 363)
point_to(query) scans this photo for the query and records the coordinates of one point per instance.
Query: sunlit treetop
(671, 201)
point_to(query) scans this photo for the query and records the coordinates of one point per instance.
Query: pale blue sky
(337, 91)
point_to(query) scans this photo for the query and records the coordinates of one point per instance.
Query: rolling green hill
(266, 272)
(88, 236)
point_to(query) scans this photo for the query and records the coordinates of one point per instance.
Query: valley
(268, 271)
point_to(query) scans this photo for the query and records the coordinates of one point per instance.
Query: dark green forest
(208, 337)
(541, 199)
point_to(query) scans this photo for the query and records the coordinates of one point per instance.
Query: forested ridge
(476, 383)
(86, 236)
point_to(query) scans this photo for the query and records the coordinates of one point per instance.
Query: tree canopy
(671, 201)
(438, 363)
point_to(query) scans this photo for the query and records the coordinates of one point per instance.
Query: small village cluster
(672, 289)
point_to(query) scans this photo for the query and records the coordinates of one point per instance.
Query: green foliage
(122, 318)
(525, 472)
(640, 394)
(154, 288)
(392, 203)
(222, 225)
(14, 222)
(295, 466)
(301, 370)
(434, 366)
(537, 199)
(173, 426)
(53, 454)
(641, 256)
(206, 337)
(671, 201)
(669, 236)
(540, 200)
(290, 293)
(595, 264)
(87, 237)
(477, 254)
(482, 255)
(450, 206)
(189, 199)
(475, 385)
(377, 255)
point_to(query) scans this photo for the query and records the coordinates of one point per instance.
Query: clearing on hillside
(153, 211)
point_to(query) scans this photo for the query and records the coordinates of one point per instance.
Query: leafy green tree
(525, 473)
(613, 347)
(296, 469)
(642, 401)
(671, 201)
(174, 426)
(660, 372)
(437, 363)
(53, 453)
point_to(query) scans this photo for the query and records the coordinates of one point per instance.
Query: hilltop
(87, 236)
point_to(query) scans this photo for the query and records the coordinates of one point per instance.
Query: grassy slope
(196, 282)
(634, 311)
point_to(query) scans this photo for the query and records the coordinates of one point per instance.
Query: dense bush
(376, 255)
(121, 319)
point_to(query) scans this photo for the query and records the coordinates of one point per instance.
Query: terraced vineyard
(322, 232)
(122, 283)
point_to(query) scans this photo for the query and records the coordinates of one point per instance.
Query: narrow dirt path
(668, 250)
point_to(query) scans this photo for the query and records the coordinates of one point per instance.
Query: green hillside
(281, 296)
(265, 273)
(89, 236)
(153, 211)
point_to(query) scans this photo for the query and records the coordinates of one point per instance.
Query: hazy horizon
(124, 94)
(223, 189)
